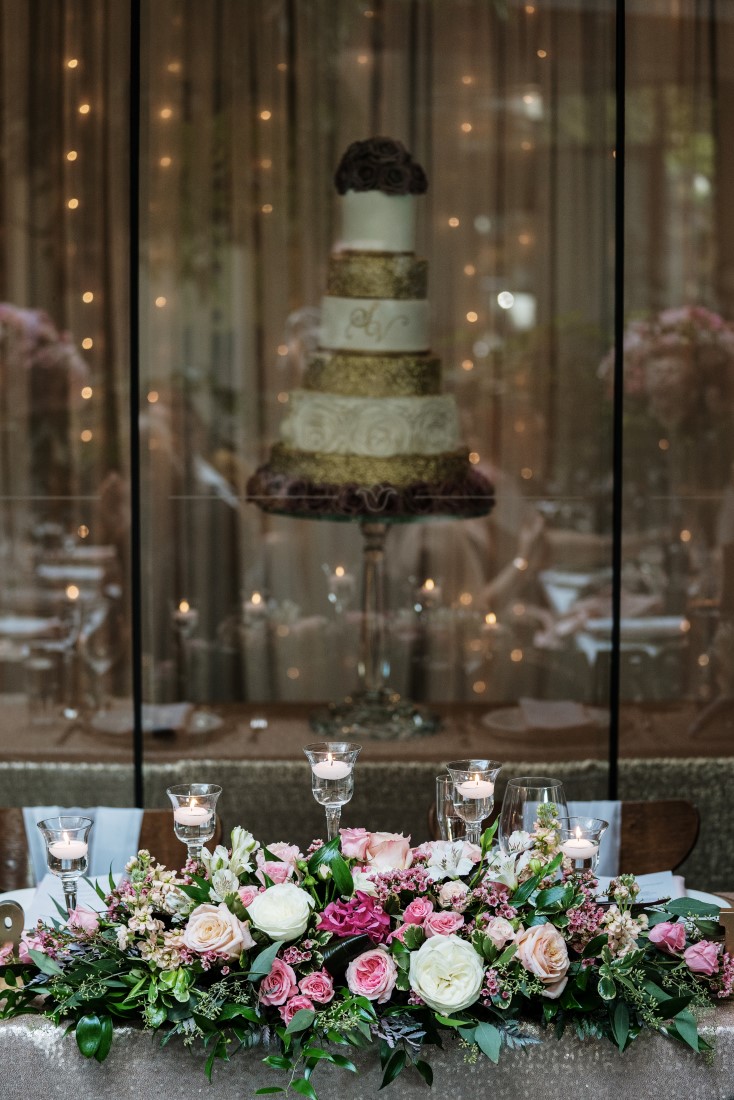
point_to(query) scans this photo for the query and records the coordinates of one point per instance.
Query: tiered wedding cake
(370, 434)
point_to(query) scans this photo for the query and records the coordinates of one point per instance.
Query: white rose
(363, 882)
(281, 911)
(446, 973)
(215, 928)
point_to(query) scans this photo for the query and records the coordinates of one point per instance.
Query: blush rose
(542, 951)
(216, 928)
(389, 852)
(702, 958)
(444, 923)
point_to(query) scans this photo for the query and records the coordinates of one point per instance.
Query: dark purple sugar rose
(380, 164)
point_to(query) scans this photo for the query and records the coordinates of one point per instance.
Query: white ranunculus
(224, 883)
(446, 973)
(281, 911)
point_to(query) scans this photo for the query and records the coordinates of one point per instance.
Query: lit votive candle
(192, 814)
(331, 769)
(578, 847)
(475, 788)
(68, 849)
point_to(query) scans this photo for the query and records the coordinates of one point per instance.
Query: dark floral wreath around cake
(380, 164)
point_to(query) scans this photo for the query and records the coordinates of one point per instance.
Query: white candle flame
(578, 832)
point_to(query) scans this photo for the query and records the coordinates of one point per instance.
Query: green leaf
(340, 952)
(425, 1071)
(305, 1088)
(394, 1067)
(262, 964)
(489, 1040)
(669, 1009)
(523, 892)
(324, 854)
(301, 1021)
(269, 1090)
(685, 1024)
(621, 1024)
(550, 897)
(342, 876)
(105, 1041)
(593, 947)
(607, 989)
(229, 1012)
(88, 1034)
(343, 1063)
(45, 964)
(684, 907)
(506, 955)
(450, 1021)
(277, 1061)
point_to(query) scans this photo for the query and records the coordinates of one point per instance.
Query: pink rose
(83, 920)
(318, 986)
(702, 957)
(399, 933)
(417, 911)
(288, 1011)
(444, 923)
(500, 932)
(248, 894)
(542, 951)
(216, 928)
(279, 985)
(288, 853)
(669, 937)
(6, 952)
(276, 871)
(360, 914)
(355, 843)
(389, 852)
(453, 895)
(372, 975)
(29, 941)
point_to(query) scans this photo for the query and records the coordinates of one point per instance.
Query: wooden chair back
(156, 834)
(657, 835)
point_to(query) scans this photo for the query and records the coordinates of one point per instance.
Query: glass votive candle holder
(474, 782)
(332, 777)
(194, 814)
(580, 838)
(67, 851)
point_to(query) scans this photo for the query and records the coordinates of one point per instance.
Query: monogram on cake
(369, 433)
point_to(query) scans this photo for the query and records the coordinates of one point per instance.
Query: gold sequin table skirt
(37, 1061)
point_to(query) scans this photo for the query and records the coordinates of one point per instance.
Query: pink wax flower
(318, 986)
(702, 957)
(669, 937)
(373, 975)
(444, 923)
(290, 1008)
(83, 920)
(355, 843)
(417, 911)
(389, 851)
(248, 894)
(361, 915)
(279, 985)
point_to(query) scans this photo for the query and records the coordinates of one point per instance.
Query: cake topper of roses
(380, 164)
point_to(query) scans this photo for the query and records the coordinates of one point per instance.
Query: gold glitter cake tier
(396, 275)
(368, 375)
(354, 469)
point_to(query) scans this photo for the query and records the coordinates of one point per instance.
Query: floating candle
(331, 769)
(192, 814)
(578, 847)
(68, 849)
(475, 788)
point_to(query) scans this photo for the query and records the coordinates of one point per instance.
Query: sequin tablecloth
(37, 1061)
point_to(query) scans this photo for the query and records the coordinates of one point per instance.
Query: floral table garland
(366, 941)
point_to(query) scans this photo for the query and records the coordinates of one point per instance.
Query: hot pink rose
(444, 923)
(83, 920)
(389, 852)
(417, 911)
(288, 1010)
(318, 986)
(500, 931)
(669, 937)
(361, 914)
(355, 843)
(276, 871)
(702, 958)
(453, 895)
(248, 894)
(279, 985)
(372, 975)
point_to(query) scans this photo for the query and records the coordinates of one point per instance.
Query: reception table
(37, 1060)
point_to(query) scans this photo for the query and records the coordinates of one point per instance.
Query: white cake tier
(328, 423)
(373, 222)
(374, 324)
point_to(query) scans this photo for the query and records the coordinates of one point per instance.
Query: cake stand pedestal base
(381, 715)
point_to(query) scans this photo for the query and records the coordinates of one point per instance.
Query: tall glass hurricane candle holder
(332, 777)
(194, 814)
(528, 799)
(67, 851)
(474, 782)
(580, 840)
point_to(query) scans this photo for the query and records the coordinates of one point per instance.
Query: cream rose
(389, 852)
(446, 973)
(542, 951)
(215, 928)
(281, 911)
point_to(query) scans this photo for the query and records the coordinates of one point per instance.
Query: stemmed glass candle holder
(522, 804)
(67, 851)
(194, 814)
(580, 839)
(474, 782)
(450, 825)
(332, 777)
